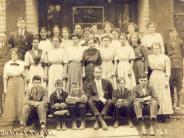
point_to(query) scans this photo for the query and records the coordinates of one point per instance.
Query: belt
(15, 76)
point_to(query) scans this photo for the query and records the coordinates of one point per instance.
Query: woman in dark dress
(91, 58)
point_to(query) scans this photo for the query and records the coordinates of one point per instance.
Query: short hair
(121, 79)
(35, 37)
(143, 76)
(98, 67)
(172, 29)
(150, 23)
(36, 77)
(58, 82)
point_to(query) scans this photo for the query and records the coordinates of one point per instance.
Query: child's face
(173, 34)
(59, 87)
(121, 84)
(36, 83)
(75, 87)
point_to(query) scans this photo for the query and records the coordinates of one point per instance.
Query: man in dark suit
(122, 101)
(35, 99)
(4, 57)
(20, 39)
(144, 97)
(99, 93)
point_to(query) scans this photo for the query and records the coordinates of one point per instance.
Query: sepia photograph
(91, 68)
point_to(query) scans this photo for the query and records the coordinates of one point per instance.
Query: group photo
(84, 67)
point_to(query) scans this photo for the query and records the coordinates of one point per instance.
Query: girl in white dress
(124, 58)
(57, 61)
(35, 63)
(159, 79)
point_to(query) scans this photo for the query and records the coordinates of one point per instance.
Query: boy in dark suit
(58, 104)
(36, 99)
(122, 101)
(144, 97)
(21, 38)
(99, 93)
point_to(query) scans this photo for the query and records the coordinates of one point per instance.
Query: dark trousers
(77, 110)
(122, 110)
(151, 107)
(176, 81)
(98, 108)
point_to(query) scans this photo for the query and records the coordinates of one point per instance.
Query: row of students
(100, 98)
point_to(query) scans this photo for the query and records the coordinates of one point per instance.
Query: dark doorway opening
(60, 12)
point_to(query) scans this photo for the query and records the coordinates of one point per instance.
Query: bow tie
(14, 64)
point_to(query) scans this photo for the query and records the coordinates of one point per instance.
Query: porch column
(2, 15)
(32, 16)
(144, 14)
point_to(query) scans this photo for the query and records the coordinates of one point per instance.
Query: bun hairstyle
(13, 50)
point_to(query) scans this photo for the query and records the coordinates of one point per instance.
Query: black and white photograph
(91, 68)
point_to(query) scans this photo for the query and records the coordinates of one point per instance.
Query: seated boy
(58, 105)
(35, 99)
(122, 101)
(77, 105)
(144, 97)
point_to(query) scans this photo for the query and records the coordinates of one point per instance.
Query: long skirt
(14, 99)
(138, 69)
(89, 70)
(125, 70)
(108, 72)
(55, 72)
(157, 80)
(74, 74)
(36, 70)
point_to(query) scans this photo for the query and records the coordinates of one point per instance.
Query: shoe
(143, 130)
(130, 124)
(74, 125)
(44, 131)
(96, 125)
(104, 125)
(83, 125)
(58, 126)
(151, 131)
(64, 127)
(116, 124)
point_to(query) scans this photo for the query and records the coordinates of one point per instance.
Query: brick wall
(144, 14)
(32, 16)
(2, 15)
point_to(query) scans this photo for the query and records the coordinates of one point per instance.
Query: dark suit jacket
(137, 93)
(22, 43)
(125, 95)
(91, 90)
(4, 57)
(55, 99)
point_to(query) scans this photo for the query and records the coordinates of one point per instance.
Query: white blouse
(14, 68)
